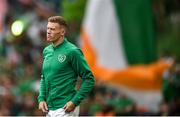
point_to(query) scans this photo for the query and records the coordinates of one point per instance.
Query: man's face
(54, 32)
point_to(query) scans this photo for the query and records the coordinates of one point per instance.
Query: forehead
(53, 25)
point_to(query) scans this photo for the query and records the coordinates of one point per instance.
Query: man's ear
(63, 31)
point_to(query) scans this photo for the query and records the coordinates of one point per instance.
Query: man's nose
(48, 32)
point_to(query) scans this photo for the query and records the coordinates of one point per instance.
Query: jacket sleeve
(42, 91)
(82, 69)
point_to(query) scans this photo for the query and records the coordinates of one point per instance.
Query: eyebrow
(51, 27)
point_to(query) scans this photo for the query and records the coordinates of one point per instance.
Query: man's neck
(61, 39)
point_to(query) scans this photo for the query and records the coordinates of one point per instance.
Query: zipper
(50, 70)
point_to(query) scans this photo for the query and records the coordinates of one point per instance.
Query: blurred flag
(118, 41)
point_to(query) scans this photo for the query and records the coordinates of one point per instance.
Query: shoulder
(72, 48)
(47, 49)
(74, 51)
(76, 54)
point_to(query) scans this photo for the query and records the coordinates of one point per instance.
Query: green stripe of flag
(136, 23)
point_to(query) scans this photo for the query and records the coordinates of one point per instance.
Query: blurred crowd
(20, 68)
(20, 56)
(171, 91)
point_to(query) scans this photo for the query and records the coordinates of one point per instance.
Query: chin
(49, 40)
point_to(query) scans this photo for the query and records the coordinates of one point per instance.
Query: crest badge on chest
(61, 58)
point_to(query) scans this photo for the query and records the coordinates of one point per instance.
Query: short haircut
(60, 20)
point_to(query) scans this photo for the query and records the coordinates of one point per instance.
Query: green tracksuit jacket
(61, 67)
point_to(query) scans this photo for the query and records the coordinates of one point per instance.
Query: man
(63, 62)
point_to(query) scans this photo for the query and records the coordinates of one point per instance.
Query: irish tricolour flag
(118, 41)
